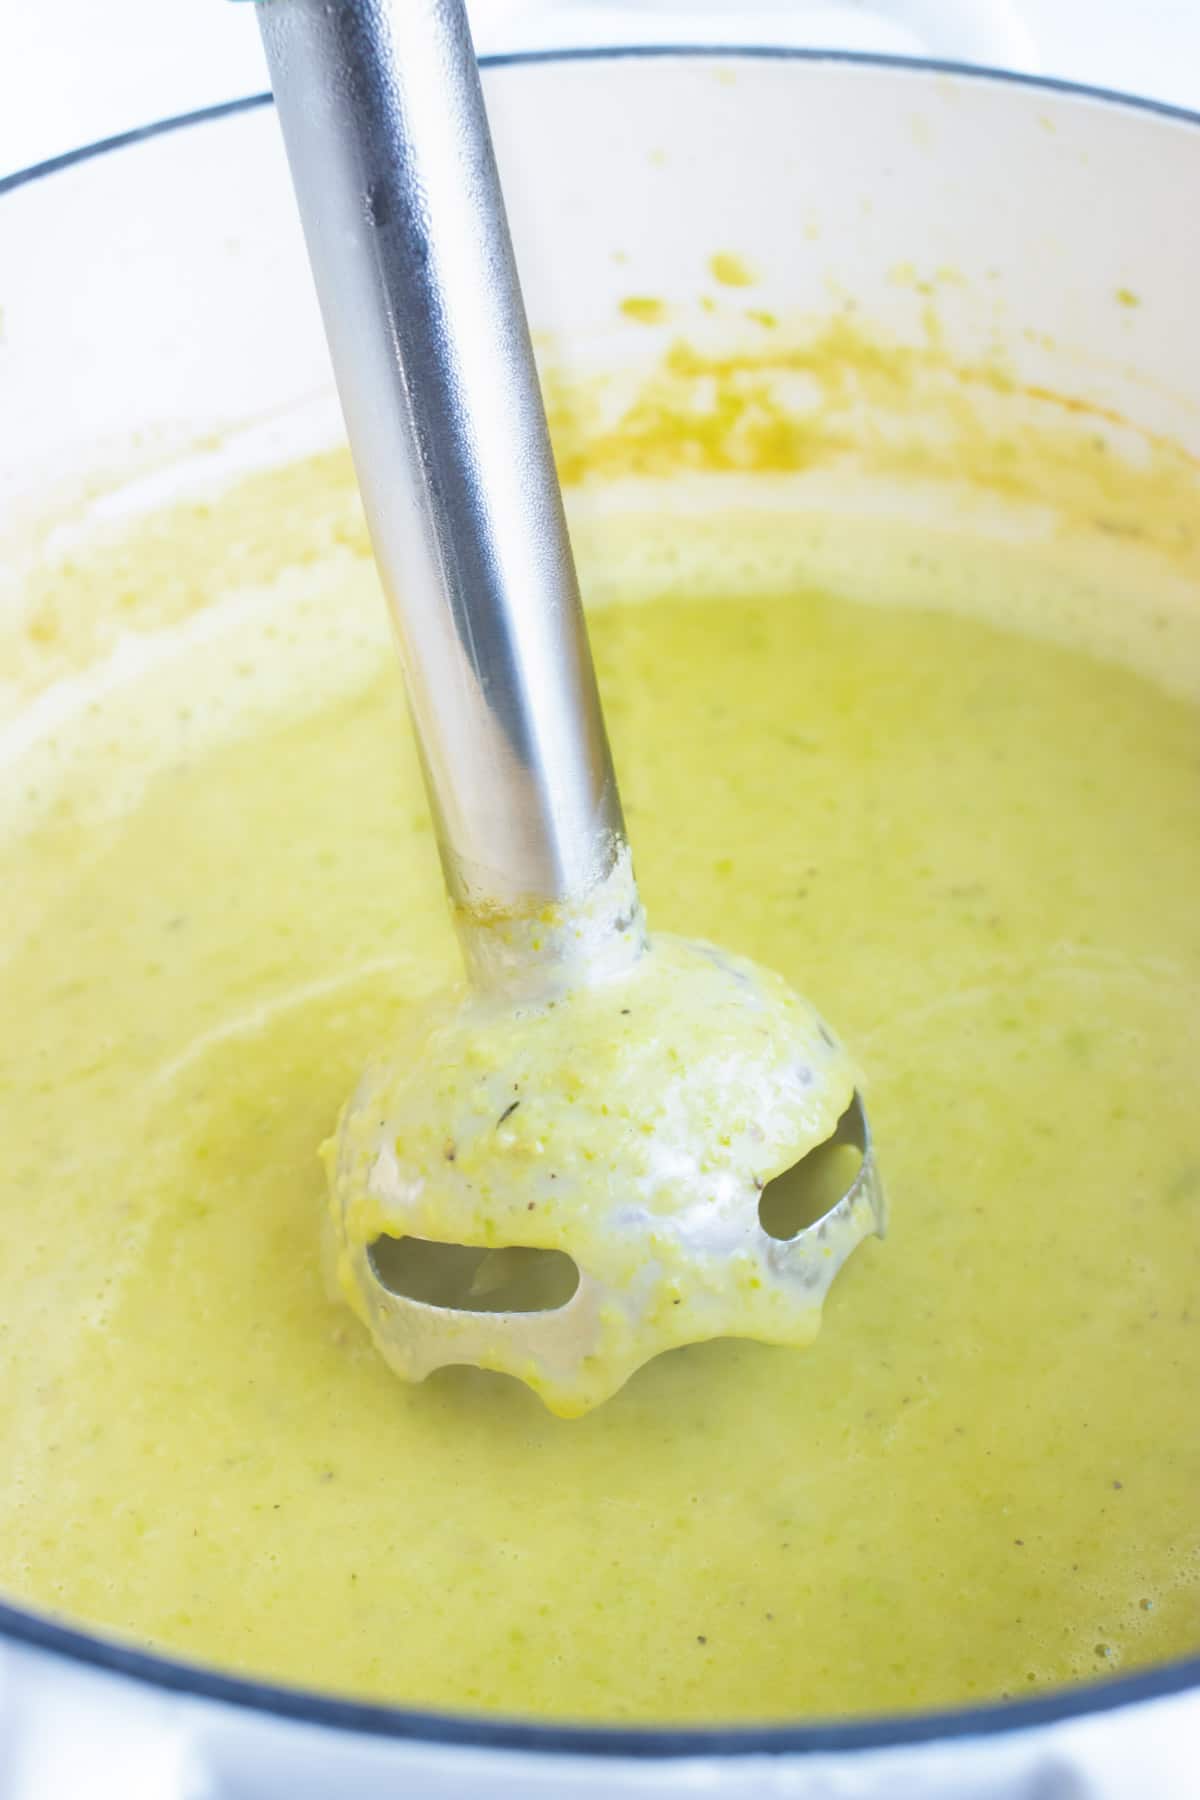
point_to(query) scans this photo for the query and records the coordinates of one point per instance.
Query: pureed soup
(976, 847)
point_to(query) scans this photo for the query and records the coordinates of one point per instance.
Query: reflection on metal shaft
(387, 139)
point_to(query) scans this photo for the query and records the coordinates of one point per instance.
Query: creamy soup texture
(977, 853)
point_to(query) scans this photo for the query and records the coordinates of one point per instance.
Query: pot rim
(449, 1730)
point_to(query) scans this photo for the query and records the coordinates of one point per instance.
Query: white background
(72, 71)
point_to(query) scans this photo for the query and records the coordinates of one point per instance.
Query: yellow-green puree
(978, 854)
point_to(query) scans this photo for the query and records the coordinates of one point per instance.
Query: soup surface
(977, 853)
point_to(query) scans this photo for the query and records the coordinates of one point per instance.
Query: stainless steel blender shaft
(384, 123)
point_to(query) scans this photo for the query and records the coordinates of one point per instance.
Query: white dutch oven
(154, 293)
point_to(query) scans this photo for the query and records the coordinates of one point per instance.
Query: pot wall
(70, 1730)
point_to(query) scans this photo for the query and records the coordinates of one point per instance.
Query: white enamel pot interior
(155, 298)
